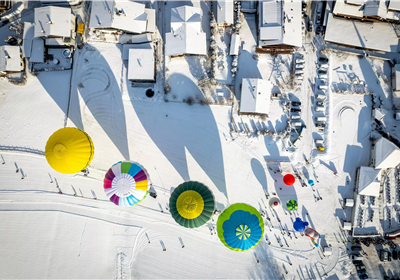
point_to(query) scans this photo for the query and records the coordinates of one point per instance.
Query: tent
(387, 154)
(369, 181)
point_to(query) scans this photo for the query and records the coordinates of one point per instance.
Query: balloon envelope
(126, 183)
(288, 179)
(69, 150)
(240, 227)
(274, 202)
(191, 204)
(311, 182)
(299, 225)
(291, 205)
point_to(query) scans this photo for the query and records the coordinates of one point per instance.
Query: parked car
(299, 77)
(361, 272)
(296, 103)
(383, 256)
(310, 26)
(320, 96)
(395, 256)
(320, 103)
(323, 66)
(389, 257)
(319, 30)
(323, 76)
(356, 248)
(323, 59)
(322, 125)
(295, 117)
(321, 119)
(299, 66)
(355, 257)
(360, 266)
(319, 141)
(323, 87)
(319, 109)
(322, 71)
(295, 110)
(277, 95)
(300, 60)
(357, 262)
(297, 124)
(365, 276)
(304, 5)
(299, 72)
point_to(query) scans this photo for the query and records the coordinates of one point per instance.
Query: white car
(300, 66)
(323, 76)
(299, 60)
(300, 72)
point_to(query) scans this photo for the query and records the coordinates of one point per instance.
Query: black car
(320, 125)
(356, 248)
(319, 30)
(295, 110)
(395, 255)
(360, 266)
(389, 257)
(304, 5)
(323, 59)
(277, 95)
(320, 103)
(322, 71)
(296, 103)
(357, 262)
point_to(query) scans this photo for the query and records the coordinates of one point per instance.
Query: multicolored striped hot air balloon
(191, 204)
(126, 183)
(240, 227)
(69, 150)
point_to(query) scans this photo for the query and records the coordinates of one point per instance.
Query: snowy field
(54, 235)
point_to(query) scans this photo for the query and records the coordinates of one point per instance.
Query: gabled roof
(225, 11)
(387, 154)
(10, 58)
(375, 8)
(141, 64)
(185, 36)
(394, 5)
(122, 15)
(52, 21)
(379, 114)
(255, 98)
(369, 181)
(29, 34)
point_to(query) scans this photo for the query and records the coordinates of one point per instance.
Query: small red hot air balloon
(288, 179)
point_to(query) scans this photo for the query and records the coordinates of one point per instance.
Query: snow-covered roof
(53, 21)
(375, 8)
(394, 5)
(363, 9)
(379, 114)
(387, 154)
(362, 34)
(255, 96)
(29, 34)
(37, 53)
(225, 12)
(141, 64)
(235, 43)
(127, 47)
(185, 36)
(271, 23)
(349, 202)
(346, 226)
(328, 251)
(122, 15)
(396, 78)
(369, 181)
(10, 59)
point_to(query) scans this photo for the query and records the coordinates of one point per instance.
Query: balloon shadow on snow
(268, 267)
(179, 131)
(97, 86)
(259, 172)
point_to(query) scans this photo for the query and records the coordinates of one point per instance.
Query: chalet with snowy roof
(279, 25)
(224, 12)
(56, 25)
(368, 10)
(255, 97)
(10, 59)
(186, 36)
(385, 154)
(125, 16)
(141, 62)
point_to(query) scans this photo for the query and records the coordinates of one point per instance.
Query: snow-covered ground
(47, 234)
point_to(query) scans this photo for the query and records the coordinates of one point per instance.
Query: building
(225, 12)
(361, 35)
(379, 114)
(56, 25)
(10, 59)
(367, 10)
(385, 154)
(140, 57)
(235, 44)
(396, 79)
(119, 15)
(256, 95)
(279, 25)
(186, 36)
(365, 213)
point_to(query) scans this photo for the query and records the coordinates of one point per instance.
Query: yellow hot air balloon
(69, 150)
